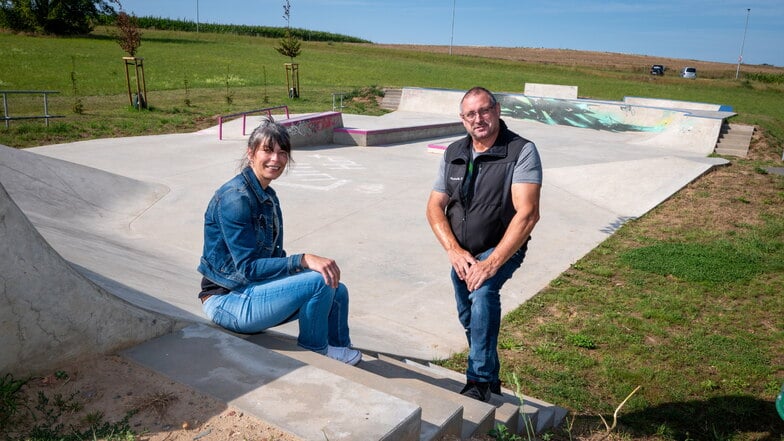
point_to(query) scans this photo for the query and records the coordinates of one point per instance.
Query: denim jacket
(243, 235)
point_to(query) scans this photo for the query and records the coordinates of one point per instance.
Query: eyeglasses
(483, 112)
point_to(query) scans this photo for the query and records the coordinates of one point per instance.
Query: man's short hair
(476, 90)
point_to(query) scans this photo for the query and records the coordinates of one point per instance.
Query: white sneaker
(344, 355)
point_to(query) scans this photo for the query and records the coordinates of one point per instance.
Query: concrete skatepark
(103, 238)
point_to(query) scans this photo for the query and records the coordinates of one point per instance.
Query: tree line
(79, 17)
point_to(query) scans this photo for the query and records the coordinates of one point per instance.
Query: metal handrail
(245, 115)
(46, 114)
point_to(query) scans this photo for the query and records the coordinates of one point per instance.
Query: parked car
(689, 72)
(657, 69)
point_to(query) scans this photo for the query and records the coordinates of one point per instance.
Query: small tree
(289, 47)
(289, 44)
(130, 38)
(128, 35)
(78, 106)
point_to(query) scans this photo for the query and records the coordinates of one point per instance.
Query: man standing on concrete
(483, 207)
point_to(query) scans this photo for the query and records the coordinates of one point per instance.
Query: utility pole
(197, 16)
(452, 38)
(740, 57)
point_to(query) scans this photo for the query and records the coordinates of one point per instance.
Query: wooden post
(292, 79)
(128, 79)
(141, 84)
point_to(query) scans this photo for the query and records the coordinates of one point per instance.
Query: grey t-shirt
(528, 168)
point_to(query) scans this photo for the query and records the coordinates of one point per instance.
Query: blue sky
(706, 30)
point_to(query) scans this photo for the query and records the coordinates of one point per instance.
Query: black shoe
(495, 387)
(477, 390)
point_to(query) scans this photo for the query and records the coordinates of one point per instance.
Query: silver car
(689, 72)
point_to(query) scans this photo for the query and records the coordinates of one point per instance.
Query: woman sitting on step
(249, 284)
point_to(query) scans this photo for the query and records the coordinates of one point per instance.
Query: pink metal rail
(244, 115)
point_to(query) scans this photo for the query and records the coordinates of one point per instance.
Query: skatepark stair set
(734, 140)
(391, 99)
(312, 396)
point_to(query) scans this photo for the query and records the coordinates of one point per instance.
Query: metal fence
(46, 116)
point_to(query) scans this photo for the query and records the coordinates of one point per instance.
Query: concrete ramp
(51, 313)
(551, 90)
(98, 221)
(628, 187)
(691, 128)
(440, 101)
(674, 104)
(56, 193)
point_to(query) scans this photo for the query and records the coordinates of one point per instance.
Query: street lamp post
(740, 57)
(452, 37)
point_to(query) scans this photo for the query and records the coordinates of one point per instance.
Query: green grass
(11, 403)
(686, 306)
(189, 76)
(698, 324)
(714, 263)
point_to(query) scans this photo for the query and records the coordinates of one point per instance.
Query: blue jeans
(480, 314)
(322, 311)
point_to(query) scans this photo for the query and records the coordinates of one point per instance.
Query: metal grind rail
(244, 116)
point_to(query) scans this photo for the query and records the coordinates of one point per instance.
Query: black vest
(480, 209)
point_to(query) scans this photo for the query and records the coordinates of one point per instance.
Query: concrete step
(478, 417)
(391, 99)
(739, 128)
(300, 398)
(536, 414)
(442, 412)
(436, 390)
(734, 140)
(311, 396)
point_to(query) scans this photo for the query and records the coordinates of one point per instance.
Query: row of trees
(59, 17)
(276, 32)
